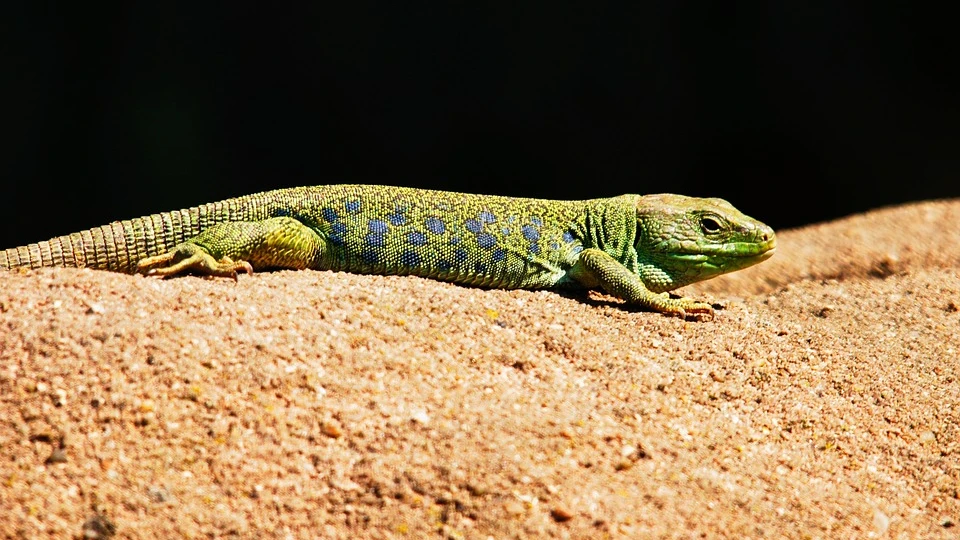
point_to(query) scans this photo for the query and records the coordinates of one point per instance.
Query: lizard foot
(686, 307)
(190, 257)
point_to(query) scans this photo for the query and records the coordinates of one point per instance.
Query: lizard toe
(192, 258)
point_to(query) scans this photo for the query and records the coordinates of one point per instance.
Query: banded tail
(117, 246)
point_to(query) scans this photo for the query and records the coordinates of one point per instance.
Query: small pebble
(332, 428)
(514, 508)
(99, 527)
(561, 514)
(57, 456)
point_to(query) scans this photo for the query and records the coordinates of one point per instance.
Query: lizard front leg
(226, 248)
(597, 268)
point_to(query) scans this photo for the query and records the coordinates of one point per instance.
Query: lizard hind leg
(227, 248)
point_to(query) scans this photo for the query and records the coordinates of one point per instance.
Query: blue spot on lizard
(410, 258)
(397, 217)
(376, 226)
(486, 240)
(417, 238)
(435, 225)
(374, 240)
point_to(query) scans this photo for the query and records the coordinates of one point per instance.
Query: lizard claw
(687, 308)
(243, 266)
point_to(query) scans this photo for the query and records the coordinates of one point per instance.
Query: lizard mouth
(760, 257)
(760, 250)
(767, 249)
(756, 251)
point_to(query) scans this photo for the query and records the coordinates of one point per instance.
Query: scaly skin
(634, 247)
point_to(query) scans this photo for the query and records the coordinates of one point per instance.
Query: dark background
(795, 114)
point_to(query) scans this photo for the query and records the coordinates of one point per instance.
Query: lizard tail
(117, 246)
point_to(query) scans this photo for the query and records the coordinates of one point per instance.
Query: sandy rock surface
(823, 401)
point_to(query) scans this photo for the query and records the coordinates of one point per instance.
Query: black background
(794, 113)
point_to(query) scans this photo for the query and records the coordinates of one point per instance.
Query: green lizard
(634, 247)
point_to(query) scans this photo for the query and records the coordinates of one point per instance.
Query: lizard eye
(709, 224)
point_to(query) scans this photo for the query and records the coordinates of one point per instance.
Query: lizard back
(483, 240)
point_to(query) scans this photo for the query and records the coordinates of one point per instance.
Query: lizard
(634, 247)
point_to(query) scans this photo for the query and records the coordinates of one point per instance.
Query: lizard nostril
(770, 237)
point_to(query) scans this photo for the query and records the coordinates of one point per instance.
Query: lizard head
(682, 240)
